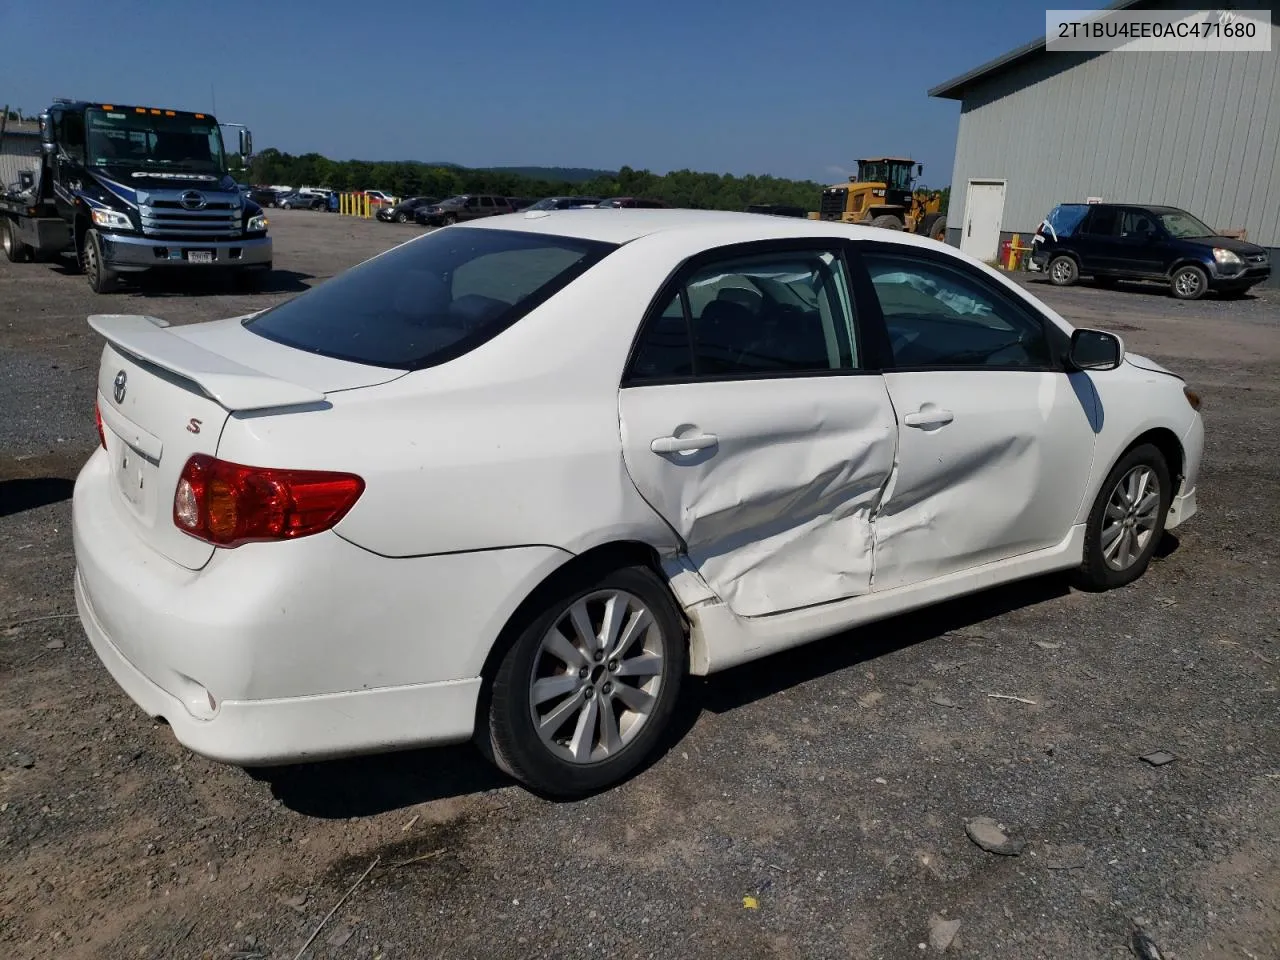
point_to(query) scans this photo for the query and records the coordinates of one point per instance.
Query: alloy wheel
(1130, 517)
(597, 676)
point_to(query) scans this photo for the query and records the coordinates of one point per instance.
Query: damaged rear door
(748, 422)
(995, 440)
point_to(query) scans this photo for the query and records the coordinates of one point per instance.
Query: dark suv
(468, 206)
(1115, 241)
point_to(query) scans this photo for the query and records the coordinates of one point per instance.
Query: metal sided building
(1199, 131)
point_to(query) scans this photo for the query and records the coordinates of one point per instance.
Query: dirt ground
(813, 805)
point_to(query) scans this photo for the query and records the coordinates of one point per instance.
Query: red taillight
(228, 504)
(97, 416)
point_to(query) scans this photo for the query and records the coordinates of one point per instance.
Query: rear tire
(102, 279)
(1122, 532)
(1189, 282)
(15, 251)
(938, 230)
(1063, 271)
(601, 711)
(887, 221)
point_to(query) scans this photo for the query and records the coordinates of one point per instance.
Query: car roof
(623, 226)
(1152, 207)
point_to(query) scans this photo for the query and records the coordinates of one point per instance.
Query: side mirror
(1096, 350)
(919, 169)
(246, 143)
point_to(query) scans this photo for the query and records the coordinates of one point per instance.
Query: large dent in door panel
(956, 513)
(793, 529)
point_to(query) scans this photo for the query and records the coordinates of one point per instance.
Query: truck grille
(166, 217)
(833, 202)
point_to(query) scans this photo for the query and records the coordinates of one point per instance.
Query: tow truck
(129, 189)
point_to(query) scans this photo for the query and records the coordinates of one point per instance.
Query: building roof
(21, 128)
(954, 88)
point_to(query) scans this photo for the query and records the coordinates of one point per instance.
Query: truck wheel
(15, 251)
(938, 230)
(101, 278)
(887, 221)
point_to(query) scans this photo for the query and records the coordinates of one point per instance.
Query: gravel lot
(830, 785)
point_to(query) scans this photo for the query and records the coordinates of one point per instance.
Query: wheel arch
(1170, 447)
(597, 561)
(1188, 261)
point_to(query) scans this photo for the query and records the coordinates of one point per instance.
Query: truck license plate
(200, 256)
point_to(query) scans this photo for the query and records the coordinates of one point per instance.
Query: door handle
(929, 417)
(701, 441)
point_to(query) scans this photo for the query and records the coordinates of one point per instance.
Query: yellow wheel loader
(883, 194)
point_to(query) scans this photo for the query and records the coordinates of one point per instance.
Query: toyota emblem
(121, 382)
(192, 200)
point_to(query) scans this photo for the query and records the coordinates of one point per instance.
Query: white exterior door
(995, 444)
(983, 213)
(748, 425)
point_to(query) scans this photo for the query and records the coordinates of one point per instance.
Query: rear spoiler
(234, 386)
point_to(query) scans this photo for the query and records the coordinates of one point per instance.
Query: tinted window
(486, 201)
(1103, 222)
(940, 315)
(429, 300)
(1136, 224)
(781, 313)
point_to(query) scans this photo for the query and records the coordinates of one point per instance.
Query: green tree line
(680, 188)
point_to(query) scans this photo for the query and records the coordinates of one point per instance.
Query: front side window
(776, 314)
(1136, 224)
(940, 315)
(429, 300)
(181, 143)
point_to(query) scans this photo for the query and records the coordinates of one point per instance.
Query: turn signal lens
(1193, 398)
(97, 416)
(228, 504)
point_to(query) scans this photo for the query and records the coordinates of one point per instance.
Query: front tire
(586, 691)
(1189, 282)
(402, 218)
(102, 279)
(938, 230)
(1127, 520)
(15, 251)
(1063, 271)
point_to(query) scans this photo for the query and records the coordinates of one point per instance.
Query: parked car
(440, 498)
(377, 196)
(778, 209)
(403, 211)
(262, 196)
(1113, 241)
(519, 203)
(630, 203)
(304, 201)
(468, 206)
(565, 203)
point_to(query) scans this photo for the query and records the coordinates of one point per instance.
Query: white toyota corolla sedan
(514, 480)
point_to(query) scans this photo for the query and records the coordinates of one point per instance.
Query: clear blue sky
(742, 87)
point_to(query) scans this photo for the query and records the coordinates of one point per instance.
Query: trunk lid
(166, 393)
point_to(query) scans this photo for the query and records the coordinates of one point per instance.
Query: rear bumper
(126, 253)
(294, 729)
(309, 648)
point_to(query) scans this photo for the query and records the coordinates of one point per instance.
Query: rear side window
(1104, 222)
(429, 300)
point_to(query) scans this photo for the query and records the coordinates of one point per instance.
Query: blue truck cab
(1112, 241)
(129, 189)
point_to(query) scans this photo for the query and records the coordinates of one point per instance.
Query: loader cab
(895, 173)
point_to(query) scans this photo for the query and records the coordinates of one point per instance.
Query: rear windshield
(1064, 219)
(430, 300)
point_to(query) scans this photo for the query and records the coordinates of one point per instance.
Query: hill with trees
(680, 188)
